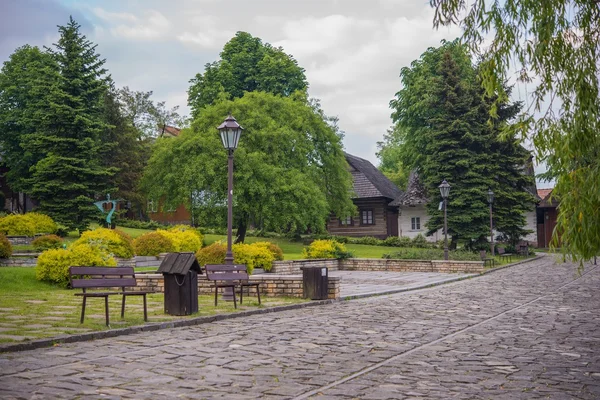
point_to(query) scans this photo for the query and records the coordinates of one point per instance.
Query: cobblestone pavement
(530, 331)
(357, 283)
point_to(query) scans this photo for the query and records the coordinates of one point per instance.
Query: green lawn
(32, 309)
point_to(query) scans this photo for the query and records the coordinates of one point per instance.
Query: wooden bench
(523, 249)
(503, 254)
(486, 259)
(117, 278)
(230, 276)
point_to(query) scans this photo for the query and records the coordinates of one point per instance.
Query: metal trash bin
(180, 272)
(315, 282)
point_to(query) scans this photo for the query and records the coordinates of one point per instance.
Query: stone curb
(430, 285)
(49, 342)
(36, 344)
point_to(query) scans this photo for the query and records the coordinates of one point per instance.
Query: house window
(348, 221)
(366, 217)
(152, 206)
(415, 223)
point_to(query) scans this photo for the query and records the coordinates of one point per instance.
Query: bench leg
(123, 306)
(241, 295)
(216, 293)
(106, 310)
(145, 309)
(83, 309)
(234, 300)
(258, 294)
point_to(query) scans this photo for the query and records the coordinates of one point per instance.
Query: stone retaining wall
(22, 261)
(20, 239)
(380, 264)
(290, 267)
(272, 285)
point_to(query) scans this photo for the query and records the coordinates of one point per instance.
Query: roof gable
(368, 181)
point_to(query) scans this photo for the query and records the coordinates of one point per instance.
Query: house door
(549, 224)
(392, 223)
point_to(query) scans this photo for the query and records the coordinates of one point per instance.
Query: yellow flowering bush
(273, 248)
(27, 224)
(42, 223)
(152, 244)
(326, 249)
(186, 228)
(109, 241)
(5, 247)
(53, 265)
(212, 254)
(17, 225)
(253, 256)
(183, 240)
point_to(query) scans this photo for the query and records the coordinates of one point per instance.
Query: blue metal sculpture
(100, 205)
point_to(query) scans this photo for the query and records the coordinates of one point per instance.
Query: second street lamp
(445, 192)
(230, 132)
(491, 201)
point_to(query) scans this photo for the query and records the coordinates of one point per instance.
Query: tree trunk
(241, 229)
(453, 243)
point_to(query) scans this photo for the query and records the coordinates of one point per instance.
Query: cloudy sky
(352, 50)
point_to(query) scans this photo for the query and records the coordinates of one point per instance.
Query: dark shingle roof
(369, 181)
(415, 193)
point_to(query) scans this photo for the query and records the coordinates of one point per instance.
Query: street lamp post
(490, 195)
(230, 132)
(445, 192)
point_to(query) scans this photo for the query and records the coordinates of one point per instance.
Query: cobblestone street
(525, 332)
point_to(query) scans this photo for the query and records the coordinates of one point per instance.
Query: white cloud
(151, 25)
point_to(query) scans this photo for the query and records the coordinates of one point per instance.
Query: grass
(32, 309)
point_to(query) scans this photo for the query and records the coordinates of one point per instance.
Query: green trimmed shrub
(109, 241)
(431, 254)
(152, 244)
(419, 241)
(53, 265)
(5, 247)
(47, 242)
(212, 254)
(326, 249)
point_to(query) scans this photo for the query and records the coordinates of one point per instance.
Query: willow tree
(554, 47)
(289, 169)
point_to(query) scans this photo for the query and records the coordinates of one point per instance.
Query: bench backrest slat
(226, 276)
(225, 267)
(101, 270)
(102, 283)
(102, 277)
(226, 272)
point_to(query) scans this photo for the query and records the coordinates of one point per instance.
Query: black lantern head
(490, 196)
(445, 189)
(230, 132)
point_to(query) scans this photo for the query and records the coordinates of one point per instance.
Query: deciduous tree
(246, 65)
(290, 172)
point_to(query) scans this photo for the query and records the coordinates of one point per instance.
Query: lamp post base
(228, 292)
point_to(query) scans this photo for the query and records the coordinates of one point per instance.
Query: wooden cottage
(373, 192)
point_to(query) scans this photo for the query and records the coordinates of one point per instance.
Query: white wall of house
(405, 223)
(531, 224)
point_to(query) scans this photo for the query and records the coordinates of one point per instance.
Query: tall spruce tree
(444, 131)
(70, 136)
(25, 80)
